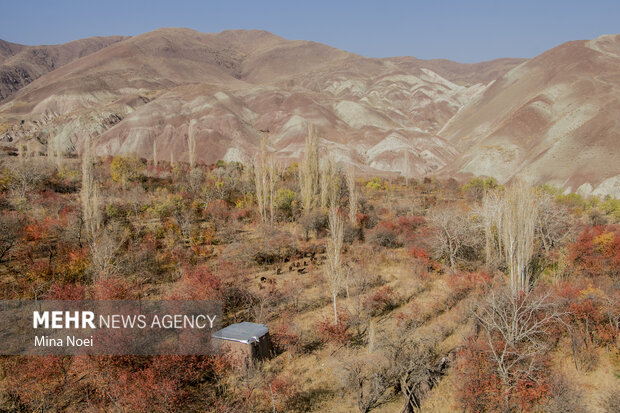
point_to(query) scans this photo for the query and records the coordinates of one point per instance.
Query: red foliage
(34, 231)
(143, 384)
(284, 338)
(597, 251)
(218, 209)
(382, 300)
(243, 214)
(464, 282)
(589, 311)
(423, 257)
(112, 288)
(65, 292)
(198, 283)
(335, 333)
(361, 219)
(72, 264)
(37, 380)
(281, 390)
(481, 389)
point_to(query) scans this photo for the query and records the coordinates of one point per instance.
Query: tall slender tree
(334, 266)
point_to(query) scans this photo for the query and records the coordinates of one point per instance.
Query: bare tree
(516, 325)
(191, 142)
(10, 231)
(260, 181)
(407, 171)
(553, 225)
(273, 177)
(327, 182)
(416, 368)
(90, 194)
(369, 378)
(186, 221)
(54, 151)
(352, 194)
(26, 176)
(105, 248)
(401, 363)
(309, 172)
(490, 211)
(334, 255)
(454, 234)
(154, 152)
(518, 231)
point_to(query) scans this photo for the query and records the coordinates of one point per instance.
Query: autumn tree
(309, 180)
(370, 380)
(553, 225)
(26, 176)
(191, 142)
(513, 218)
(334, 270)
(10, 232)
(261, 181)
(327, 183)
(515, 325)
(125, 169)
(454, 236)
(352, 194)
(89, 194)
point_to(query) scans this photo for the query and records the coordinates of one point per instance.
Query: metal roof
(242, 332)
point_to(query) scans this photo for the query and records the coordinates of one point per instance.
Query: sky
(464, 31)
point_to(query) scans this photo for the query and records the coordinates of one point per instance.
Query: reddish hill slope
(235, 83)
(20, 65)
(555, 118)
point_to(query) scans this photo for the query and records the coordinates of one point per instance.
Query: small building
(245, 341)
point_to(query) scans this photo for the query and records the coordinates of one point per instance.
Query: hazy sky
(465, 30)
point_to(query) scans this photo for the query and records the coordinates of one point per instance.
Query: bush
(352, 233)
(286, 202)
(565, 397)
(464, 282)
(480, 388)
(381, 301)
(314, 221)
(385, 238)
(596, 251)
(335, 333)
(423, 257)
(125, 169)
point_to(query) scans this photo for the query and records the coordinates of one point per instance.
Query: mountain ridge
(142, 91)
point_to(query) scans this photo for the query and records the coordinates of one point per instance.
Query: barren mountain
(237, 83)
(20, 65)
(552, 119)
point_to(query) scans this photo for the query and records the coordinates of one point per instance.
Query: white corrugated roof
(244, 332)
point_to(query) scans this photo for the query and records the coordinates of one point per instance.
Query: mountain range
(554, 118)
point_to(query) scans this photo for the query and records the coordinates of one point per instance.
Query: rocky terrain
(548, 117)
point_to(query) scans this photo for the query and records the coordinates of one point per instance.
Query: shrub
(596, 251)
(381, 301)
(284, 339)
(285, 202)
(386, 238)
(335, 333)
(423, 257)
(352, 233)
(464, 282)
(125, 169)
(480, 388)
(314, 221)
(218, 209)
